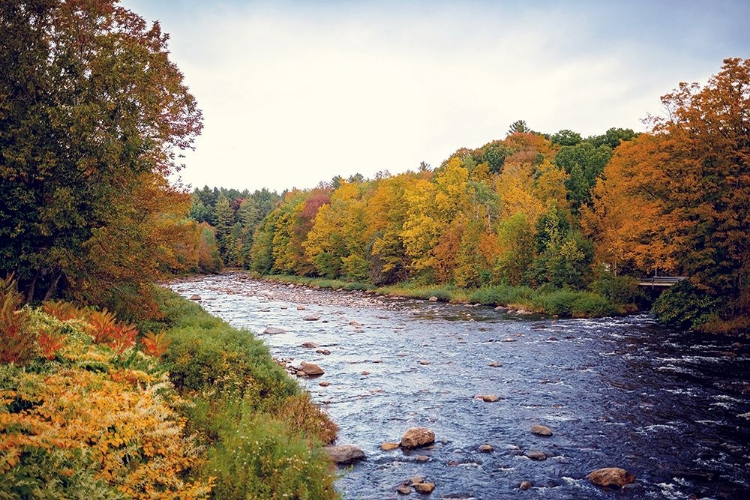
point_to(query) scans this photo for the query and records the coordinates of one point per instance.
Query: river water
(671, 408)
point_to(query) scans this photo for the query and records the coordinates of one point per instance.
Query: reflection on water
(671, 408)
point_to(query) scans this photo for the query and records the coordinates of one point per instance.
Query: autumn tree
(708, 141)
(678, 199)
(91, 109)
(336, 243)
(385, 215)
(627, 218)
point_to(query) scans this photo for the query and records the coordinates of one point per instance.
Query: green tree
(90, 108)
(613, 137)
(584, 163)
(566, 138)
(224, 217)
(518, 127)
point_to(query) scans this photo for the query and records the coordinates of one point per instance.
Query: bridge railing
(661, 280)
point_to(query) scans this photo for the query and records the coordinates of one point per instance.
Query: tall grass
(263, 433)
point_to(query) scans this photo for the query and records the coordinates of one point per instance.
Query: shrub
(621, 290)
(105, 329)
(17, 344)
(558, 303)
(572, 303)
(501, 295)
(685, 306)
(592, 305)
(261, 457)
(70, 432)
(155, 344)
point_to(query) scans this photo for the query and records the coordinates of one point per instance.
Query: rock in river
(345, 454)
(424, 487)
(541, 430)
(487, 398)
(273, 330)
(195, 297)
(309, 345)
(389, 446)
(536, 455)
(611, 476)
(417, 436)
(311, 369)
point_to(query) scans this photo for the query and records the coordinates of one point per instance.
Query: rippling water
(671, 408)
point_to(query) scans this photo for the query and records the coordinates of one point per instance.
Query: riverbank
(92, 408)
(524, 300)
(668, 406)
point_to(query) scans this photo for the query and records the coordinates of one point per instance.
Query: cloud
(295, 93)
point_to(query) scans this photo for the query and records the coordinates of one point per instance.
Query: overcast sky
(297, 92)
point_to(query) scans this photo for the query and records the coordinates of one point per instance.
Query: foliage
(261, 457)
(92, 113)
(502, 295)
(547, 211)
(620, 290)
(97, 422)
(573, 303)
(685, 306)
(677, 199)
(85, 425)
(105, 329)
(263, 433)
(16, 344)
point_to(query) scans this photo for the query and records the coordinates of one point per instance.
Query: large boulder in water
(311, 369)
(611, 477)
(416, 437)
(344, 454)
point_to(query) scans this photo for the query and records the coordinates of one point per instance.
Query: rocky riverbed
(518, 404)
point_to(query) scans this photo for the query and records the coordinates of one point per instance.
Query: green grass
(564, 302)
(262, 432)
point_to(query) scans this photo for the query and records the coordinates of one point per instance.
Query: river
(671, 408)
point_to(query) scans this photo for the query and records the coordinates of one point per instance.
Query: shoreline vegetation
(94, 408)
(525, 300)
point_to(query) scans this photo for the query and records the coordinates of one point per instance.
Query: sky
(294, 93)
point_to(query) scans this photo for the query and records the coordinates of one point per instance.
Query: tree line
(549, 211)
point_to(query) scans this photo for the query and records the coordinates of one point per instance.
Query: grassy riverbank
(91, 408)
(613, 299)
